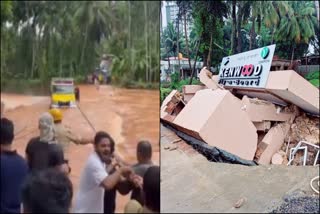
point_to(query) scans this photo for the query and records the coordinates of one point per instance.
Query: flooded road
(127, 115)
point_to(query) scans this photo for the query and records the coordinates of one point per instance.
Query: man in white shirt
(95, 179)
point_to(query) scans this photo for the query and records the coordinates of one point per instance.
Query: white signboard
(248, 69)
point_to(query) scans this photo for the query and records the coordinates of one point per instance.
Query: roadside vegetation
(222, 28)
(314, 78)
(44, 39)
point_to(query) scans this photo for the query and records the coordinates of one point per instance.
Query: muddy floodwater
(127, 115)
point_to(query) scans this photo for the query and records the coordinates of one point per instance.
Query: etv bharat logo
(264, 52)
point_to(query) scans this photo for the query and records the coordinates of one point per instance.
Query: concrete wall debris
(187, 97)
(250, 128)
(272, 142)
(262, 126)
(171, 106)
(165, 103)
(190, 90)
(206, 78)
(285, 87)
(290, 86)
(279, 158)
(305, 128)
(219, 120)
(259, 110)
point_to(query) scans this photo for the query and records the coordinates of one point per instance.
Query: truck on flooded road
(62, 93)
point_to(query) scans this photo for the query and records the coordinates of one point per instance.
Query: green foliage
(46, 39)
(315, 82)
(208, 16)
(135, 55)
(175, 78)
(164, 92)
(170, 40)
(284, 50)
(35, 86)
(80, 79)
(175, 84)
(6, 11)
(178, 86)
(314, 78)
(313, 75)
(207, 19)
(297, 24)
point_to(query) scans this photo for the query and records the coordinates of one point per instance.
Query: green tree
(185, 8)
(50, 38)
(6, 11)
(297, 25)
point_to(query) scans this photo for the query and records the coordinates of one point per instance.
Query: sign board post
(248, 69)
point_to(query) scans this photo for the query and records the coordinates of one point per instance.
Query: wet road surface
(127, 115)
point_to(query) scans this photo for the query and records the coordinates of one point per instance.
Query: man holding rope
(64, 136)
(95, 179)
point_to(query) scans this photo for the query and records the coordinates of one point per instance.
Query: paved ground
(190, 183)
(128, 115)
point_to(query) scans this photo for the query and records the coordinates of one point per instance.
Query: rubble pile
(305, 128)
(275, 125)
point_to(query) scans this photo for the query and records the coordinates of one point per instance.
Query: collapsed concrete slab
(190, 90)
(293, 88)
(262, 126)
(205, 77)
(216, 118)
(272, 142)
(260, 110)
(165, 103)
(284, 87)
(220, 119)
(170, 100)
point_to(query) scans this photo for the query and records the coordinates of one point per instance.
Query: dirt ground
(189, 182)
(128, 115)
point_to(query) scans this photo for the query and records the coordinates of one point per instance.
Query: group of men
(40, 182)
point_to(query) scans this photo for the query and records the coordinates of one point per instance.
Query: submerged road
(127, 115)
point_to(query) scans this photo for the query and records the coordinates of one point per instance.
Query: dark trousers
(110, 201)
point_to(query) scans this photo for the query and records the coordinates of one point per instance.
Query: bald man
(144, 155)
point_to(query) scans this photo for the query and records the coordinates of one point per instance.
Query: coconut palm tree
(268, 12)
(297, 25)
(93, 18)
(170, 41)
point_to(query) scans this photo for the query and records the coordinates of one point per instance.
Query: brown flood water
(127, 115)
